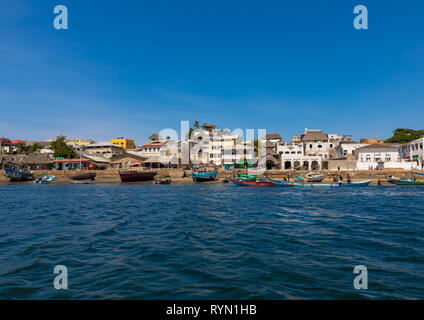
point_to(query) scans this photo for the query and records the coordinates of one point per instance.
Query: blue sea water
(207, 241)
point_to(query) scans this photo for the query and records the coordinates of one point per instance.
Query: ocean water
(202, 241)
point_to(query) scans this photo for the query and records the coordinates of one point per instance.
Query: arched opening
(296, 165)
(287, 165)
(305, 165)
(315, 165)
(269, 165)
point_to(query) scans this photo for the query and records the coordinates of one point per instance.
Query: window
(368, 157)
(310, 146)
(320, 146)
(331, 145)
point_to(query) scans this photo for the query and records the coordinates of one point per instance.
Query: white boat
(315, 177)
(86, 181)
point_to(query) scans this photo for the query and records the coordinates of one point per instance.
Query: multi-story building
(379, 156)
(107, 149)
(413, 151)
(123, 142)
(316, 143)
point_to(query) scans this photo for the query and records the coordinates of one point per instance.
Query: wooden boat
(419, 173)
(84, 176)
(279, 183)
(200, 174)
(406, 182)
(86, 181)
(136, 176)
(245, 177)
(315, 177)
(243, 183)
(16, 173)
(44, 180)
(163, 180)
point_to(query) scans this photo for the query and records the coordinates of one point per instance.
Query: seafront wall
(179, 175)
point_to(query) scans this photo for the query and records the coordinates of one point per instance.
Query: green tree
(196, 124)
(61, 149)
(36, 146)
(401, 135)
(21, 148)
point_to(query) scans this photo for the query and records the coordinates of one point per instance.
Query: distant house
(125, 161)
(273, 137)
(76, 143)
(5, 145)
(123, 142)
(104, 148)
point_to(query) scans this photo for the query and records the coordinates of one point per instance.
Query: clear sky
(131, 68)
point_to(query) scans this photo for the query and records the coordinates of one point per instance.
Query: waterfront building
(124, 143)
(27, 161)
(346, 149)
(106, 149)
(316, 143)
(126, 161)
(380, 156)
(413, 152)
(273, 137)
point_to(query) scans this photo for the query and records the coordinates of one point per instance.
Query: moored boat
(279, 183)
(243, 183)
(16, 173)
(406, 182)
(163, 180)
(315, 177)
(44, 180)
(84, 176)
(86, 181)
(136, 176)
(200, 174)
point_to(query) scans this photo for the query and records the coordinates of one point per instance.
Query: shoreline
(183, 177)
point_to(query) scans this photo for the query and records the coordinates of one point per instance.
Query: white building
(413, 152)
(316, 143)
(347, 149)
(378, 155)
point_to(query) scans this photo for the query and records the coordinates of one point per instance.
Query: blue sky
(131, 68)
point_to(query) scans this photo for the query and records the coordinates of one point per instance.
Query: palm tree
(196, 124)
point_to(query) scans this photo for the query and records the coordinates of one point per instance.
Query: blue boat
(419, 173)
(44, 180)
(202, 174)
(279, 183)
(16, 173)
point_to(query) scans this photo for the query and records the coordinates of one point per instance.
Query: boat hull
(200, 176)
(136, 176)
(401, 182)
(315, 177)
(320, 185)
(84, 176)
(241, 183)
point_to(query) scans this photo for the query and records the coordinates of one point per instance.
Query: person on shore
(340, 178)
(348, 178)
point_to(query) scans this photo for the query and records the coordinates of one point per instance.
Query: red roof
(17, 141)
(5, 140)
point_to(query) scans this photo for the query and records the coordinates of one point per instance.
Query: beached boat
(16, 173)
(260, 183)
(419, 173)
(163, 180)
(84, 176)
(246, 177)
(44, 180)
(406, 182)
(279, 183)
(315, 177)
(86, 181)
(202, 174)
(136, 176)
